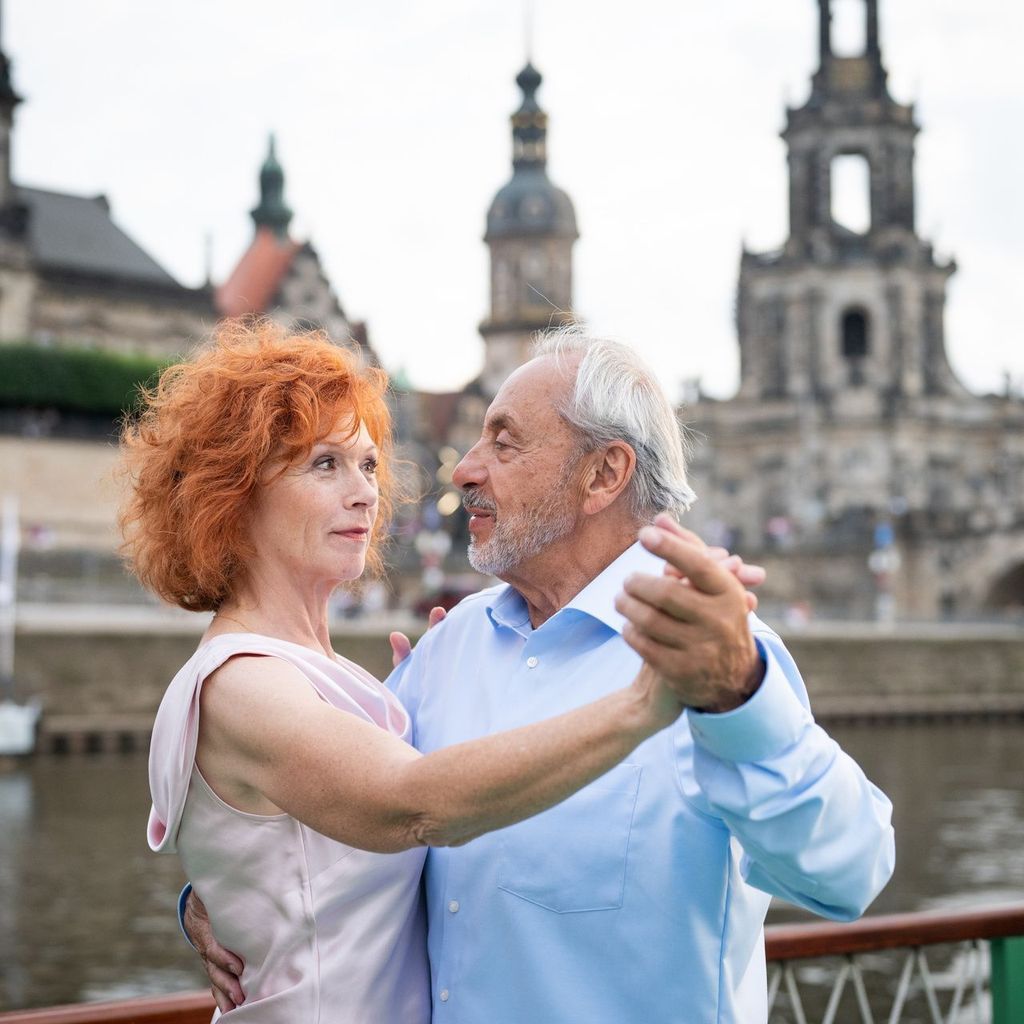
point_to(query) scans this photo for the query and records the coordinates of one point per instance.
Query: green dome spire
(272, 212)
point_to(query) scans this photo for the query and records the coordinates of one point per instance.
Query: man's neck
(550, 580)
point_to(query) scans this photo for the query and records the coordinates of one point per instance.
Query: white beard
(519, 536)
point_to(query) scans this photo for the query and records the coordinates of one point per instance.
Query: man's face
(520, 479)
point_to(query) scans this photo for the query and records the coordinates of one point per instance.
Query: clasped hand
(690, 623)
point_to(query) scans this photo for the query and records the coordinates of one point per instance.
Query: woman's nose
(363, 493)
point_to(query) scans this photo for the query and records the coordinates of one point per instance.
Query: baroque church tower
(531, 228)
(851, 449)
(839, 315)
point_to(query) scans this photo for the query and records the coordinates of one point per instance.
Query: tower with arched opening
(850, 434)
(850, 310)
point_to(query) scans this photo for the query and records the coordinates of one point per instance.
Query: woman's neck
(280, 612)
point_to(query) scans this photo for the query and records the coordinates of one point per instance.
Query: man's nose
(469, 472)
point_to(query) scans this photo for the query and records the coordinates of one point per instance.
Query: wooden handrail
(184, 1008)
(783, 942)
(889, 931)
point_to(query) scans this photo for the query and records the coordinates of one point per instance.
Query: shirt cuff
(770, 722)
(182, 899)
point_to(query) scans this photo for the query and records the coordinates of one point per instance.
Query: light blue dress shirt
(641, 898)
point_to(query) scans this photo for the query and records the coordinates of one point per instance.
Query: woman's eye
(370, 466)
(326, 462)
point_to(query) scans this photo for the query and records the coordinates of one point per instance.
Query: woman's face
(313, 521)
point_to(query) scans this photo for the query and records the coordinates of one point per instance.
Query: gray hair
(615, 397)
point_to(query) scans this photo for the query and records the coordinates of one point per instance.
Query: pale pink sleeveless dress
(329, 934)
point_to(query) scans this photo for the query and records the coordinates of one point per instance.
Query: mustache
(473, 498)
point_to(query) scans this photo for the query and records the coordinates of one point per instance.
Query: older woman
(282, 773)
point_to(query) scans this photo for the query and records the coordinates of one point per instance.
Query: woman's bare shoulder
(255, 679)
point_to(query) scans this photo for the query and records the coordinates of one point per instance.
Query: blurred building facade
(70, 275)
(852, 460)
(851, 448)
(283, 279)
(71, 278)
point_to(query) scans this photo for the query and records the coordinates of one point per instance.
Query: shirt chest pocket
(572, 858)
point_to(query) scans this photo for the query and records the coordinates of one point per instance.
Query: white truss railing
(904, 969)
(923, 993)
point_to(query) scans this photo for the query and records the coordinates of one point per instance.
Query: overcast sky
(392, 125)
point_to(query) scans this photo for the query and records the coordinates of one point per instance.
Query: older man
(642, 898)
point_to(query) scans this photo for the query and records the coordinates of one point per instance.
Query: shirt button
(453, 906)
(444, 995)
(531, 662)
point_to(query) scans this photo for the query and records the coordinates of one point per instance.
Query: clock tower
(531, 228)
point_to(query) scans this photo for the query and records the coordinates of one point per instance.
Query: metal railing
(186, 1008)
(934, 968)
(832, 973)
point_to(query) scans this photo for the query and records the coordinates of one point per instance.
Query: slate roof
(76, 233)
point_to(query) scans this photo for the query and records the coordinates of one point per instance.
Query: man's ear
(609, 472)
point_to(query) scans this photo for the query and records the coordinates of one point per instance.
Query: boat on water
(18, 720)
(18, 728)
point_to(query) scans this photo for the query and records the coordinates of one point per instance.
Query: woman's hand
(401, 647)
(748, 575)
(690, 624)
(659, 702)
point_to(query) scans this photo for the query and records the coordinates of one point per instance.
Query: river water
(86, 912)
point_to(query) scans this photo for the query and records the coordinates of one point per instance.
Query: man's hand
(222, 966)
(401, 648)
(690, 624)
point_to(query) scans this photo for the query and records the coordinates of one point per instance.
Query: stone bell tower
(847, 315)
(852, 461)
(531, 228)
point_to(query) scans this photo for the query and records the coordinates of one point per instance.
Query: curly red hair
(195, 454)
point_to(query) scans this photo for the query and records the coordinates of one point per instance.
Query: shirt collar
(507, 607)
(597, 598)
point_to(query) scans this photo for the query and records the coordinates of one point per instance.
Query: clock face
(534, 266)
(502, 283)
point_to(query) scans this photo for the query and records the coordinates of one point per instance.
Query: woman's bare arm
(268, 742)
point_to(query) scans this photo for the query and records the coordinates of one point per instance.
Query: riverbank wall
(99, 673)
